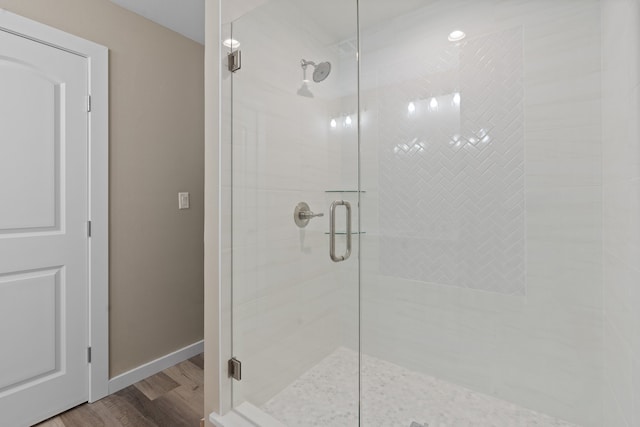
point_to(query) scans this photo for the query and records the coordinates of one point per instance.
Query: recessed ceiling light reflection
(231, 43)
(347, 121)
(456, 36)
(456, 98)
(433, 104)
(333, 124)
(411, 108)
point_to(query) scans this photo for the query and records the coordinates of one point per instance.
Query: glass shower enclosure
(424, 203)
(295, 196)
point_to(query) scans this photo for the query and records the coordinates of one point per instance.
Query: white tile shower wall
(543, 349)
(285, 291)
(452, 168)
(621, 178)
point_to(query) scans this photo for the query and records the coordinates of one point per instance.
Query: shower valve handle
(309, 215)
(302, 214)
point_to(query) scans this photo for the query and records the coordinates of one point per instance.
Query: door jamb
(98, 174)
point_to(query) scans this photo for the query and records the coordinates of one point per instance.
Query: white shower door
(293, 133)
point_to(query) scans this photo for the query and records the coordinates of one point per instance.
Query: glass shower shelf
(343, 233)
(344, 191)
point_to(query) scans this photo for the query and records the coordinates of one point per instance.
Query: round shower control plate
(300, 220)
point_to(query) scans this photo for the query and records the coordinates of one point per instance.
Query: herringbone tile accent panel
(452, 172)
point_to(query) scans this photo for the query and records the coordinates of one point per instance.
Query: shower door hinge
(89, 354)
(88, 103)
(235, 61)
(88, 228)
(235, 369)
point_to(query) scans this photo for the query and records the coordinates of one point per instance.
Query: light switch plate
(183, 200)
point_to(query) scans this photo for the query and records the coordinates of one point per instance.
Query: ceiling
(182, 16)
(187, 16)
(338, 19)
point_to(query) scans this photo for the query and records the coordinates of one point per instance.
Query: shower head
(321, 71)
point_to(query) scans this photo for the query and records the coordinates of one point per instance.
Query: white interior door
(43, 232)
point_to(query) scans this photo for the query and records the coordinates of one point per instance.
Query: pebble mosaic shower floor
(326, 396)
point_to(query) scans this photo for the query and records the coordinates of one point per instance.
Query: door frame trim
(98, 174)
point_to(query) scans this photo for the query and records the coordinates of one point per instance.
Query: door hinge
(235, 61)
(89, 354)
(88, 103)
(235, 369)
(88, 228)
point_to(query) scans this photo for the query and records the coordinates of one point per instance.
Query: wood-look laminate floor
(171, 398)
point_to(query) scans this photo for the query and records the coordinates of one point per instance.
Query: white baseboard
(141, 372)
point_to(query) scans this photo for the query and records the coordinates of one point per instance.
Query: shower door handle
(332, 231)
